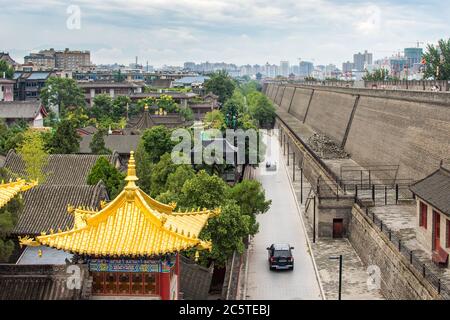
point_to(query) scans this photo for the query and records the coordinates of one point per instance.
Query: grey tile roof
(20, 109)
(61, 169)
(40, 282)
(435, 189)
(122, 144)
(45, 206)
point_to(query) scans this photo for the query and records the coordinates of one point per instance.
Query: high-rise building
(413, 55)
(347, 67)
(361, 59)
(284, 68)
(306, 68)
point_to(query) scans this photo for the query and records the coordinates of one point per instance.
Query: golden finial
(131, 176)
(197, 256)
(40, 253)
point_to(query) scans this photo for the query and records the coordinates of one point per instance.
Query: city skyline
(227, 31)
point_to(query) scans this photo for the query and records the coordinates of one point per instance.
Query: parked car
(280, 257)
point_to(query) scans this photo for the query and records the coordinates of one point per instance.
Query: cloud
(249, 31)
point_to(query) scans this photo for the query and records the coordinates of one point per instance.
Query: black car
(280, 257)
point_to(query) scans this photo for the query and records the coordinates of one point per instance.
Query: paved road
(280, 224)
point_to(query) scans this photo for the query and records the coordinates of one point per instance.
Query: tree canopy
(62, 92)
(34, 155)
(110, 175)
(66, 139)
(97, 143)
(437, 61)
(221, 84)
(157, 141)
(7, 69)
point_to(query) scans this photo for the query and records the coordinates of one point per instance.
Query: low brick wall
(398, 280)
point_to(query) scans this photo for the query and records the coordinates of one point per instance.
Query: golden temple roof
(133, 224)
(11, 189)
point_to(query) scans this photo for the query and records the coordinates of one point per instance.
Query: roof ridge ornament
(131, 174)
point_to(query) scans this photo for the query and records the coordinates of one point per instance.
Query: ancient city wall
(406, 128)
(300, 103)
(398, 280)
(287, 98)
(414, 135)
(329, 113)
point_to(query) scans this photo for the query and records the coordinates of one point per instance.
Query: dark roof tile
(62, 169)
(45, 206)
(435, 189)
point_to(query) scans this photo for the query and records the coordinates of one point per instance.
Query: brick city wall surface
(406, 128)
(329, 113)
(300, 103)
(398, 280)
(287, 98)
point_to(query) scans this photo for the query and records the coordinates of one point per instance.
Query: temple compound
(131, 246)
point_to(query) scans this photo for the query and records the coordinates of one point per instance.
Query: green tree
(437, 61)
(157, 141)
(221, 84)
(160, 174)
(250, 197)
(144, 168)
(262, 110)
(119, 107)
(97, 143)
(8, 219)
(226, 232)
(11, 137)
(110, 175)
(204, 191)
(215, 120)
(175, 182)
(7, 69)
(33, 153)
(66, 139)
(102, 108)
(377, 75)
(64, 93)
(187, 114)
(167, 103)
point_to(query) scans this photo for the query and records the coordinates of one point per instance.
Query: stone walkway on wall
(355, 274)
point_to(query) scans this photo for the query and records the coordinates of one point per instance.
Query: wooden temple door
(436, 231)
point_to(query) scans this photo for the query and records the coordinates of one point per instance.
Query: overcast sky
(235, 31)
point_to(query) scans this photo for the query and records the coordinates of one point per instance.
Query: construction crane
(418, 43)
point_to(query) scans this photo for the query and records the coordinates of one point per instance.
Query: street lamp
(340, 273)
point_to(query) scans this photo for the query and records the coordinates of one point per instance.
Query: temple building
(433, 214)
(132, 245)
